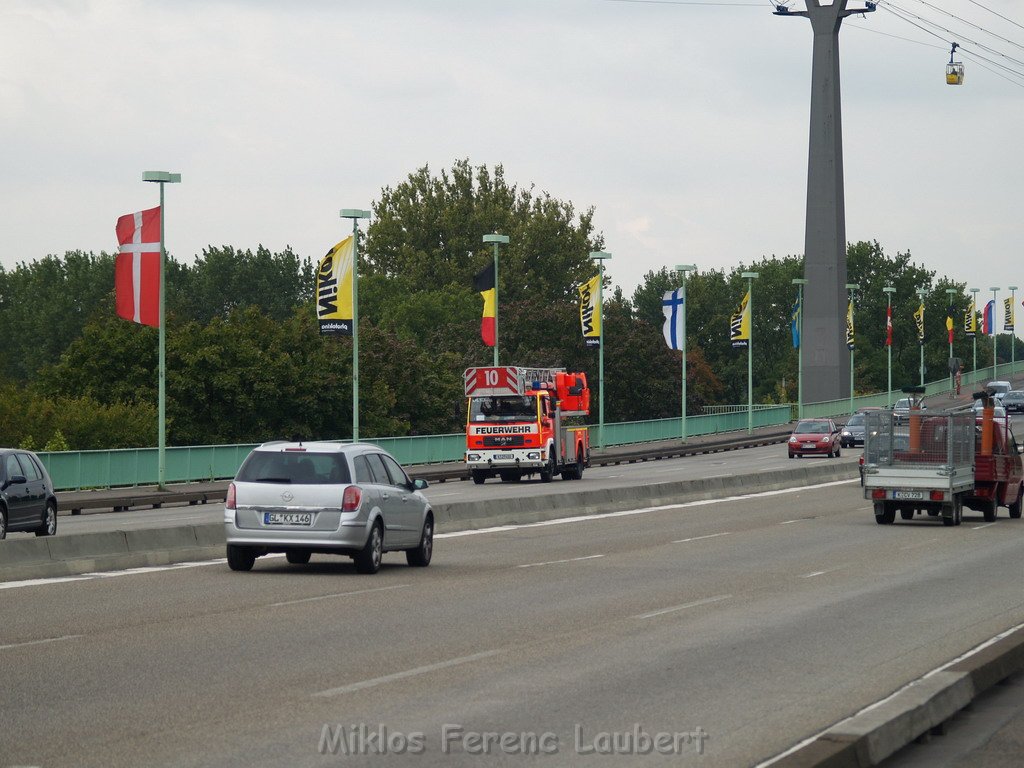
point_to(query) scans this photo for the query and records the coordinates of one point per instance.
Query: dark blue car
(27, 500)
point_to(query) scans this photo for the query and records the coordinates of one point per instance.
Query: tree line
(245, 361)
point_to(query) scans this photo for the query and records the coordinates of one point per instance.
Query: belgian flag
(483, 283)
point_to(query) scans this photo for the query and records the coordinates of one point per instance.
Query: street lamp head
(799, 281)
(164, 176)
(750, 275)
(682, 269)
(354, 213)
(853, 286)
(994, 289)
(496, 239)
(1011, 287)
(975, 290)
(600, 255)
(888, 289)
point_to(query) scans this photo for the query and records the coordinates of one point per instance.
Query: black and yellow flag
(334, 289)
(739, 323)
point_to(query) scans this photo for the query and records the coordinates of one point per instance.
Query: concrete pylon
(826, 362)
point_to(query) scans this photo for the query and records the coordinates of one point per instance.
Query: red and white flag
(137, 267)
(888, 326)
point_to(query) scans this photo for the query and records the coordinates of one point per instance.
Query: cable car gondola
(955, 69)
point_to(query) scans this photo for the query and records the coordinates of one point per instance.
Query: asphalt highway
(711, 634)
(763, 459)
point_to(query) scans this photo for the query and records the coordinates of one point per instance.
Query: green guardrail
(138, 466)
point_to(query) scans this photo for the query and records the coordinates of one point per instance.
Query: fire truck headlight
(533, 455)
(474, 457)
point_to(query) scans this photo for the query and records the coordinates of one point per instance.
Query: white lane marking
(374, 682)
(701, 538)
(800, 520)
(38, 642)
(919, 544)
(979, 527)
(337, 594)
(438, 495)
(683, 607)
(557, 562)
(642, 510)
(452, 535)
(126, 572)
(810, 739)
(812, 574)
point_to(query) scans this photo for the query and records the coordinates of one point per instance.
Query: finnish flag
(672, 306)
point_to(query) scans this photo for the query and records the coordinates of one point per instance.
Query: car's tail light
(230, 501)
(878, 493)
(937, 495)
(352, 499)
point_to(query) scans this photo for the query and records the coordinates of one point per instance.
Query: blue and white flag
(672, 306)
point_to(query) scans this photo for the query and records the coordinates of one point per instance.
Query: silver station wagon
(326, 497)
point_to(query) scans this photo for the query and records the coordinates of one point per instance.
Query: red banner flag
(137, 267)
(888, 326)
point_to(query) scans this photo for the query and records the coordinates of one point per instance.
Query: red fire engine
(515, 423)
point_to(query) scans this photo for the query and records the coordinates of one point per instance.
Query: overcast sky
(684, 126)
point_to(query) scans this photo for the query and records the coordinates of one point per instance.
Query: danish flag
(137, 267)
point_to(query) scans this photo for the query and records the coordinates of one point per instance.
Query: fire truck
(516, 423)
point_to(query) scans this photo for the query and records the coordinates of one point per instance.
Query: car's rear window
(298, 468)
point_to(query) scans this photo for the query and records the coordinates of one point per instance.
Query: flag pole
(800, 282)
(495, 239)
(1013, 329)
(355, 214)
(750, 350)
(161, 177)
(889, 291)
(682, 269)
(600, 256)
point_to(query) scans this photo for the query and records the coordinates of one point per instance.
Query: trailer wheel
(1015, 508)
(884, 513)
(990, 509)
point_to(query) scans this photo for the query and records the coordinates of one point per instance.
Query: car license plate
(908, 495)
(287, 518)
(805, 446)
(502, 457)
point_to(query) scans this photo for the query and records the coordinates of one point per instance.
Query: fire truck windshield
(503, 408)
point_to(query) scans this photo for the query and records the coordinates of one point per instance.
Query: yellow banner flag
(590, 311)
(739, 323)
(334, 289)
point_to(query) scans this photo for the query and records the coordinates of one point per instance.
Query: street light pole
(950, 292)
(800, 282)
(889, 291)
(495, 238)
(161, 178)
(974, 323)
(850, 288)
(750, 277)
(355, 214)
(921, 293)
(599, 257)
(681, 270)
(995, 364)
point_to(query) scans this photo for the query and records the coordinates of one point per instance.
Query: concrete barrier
(871, 736)
(90, 552)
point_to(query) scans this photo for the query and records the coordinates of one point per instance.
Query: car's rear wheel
(297, 556)
(420, 557)
(990, 510)
(369, 557)
(241, 558)
(1015, 508)
(49, 525)
(3, 523)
